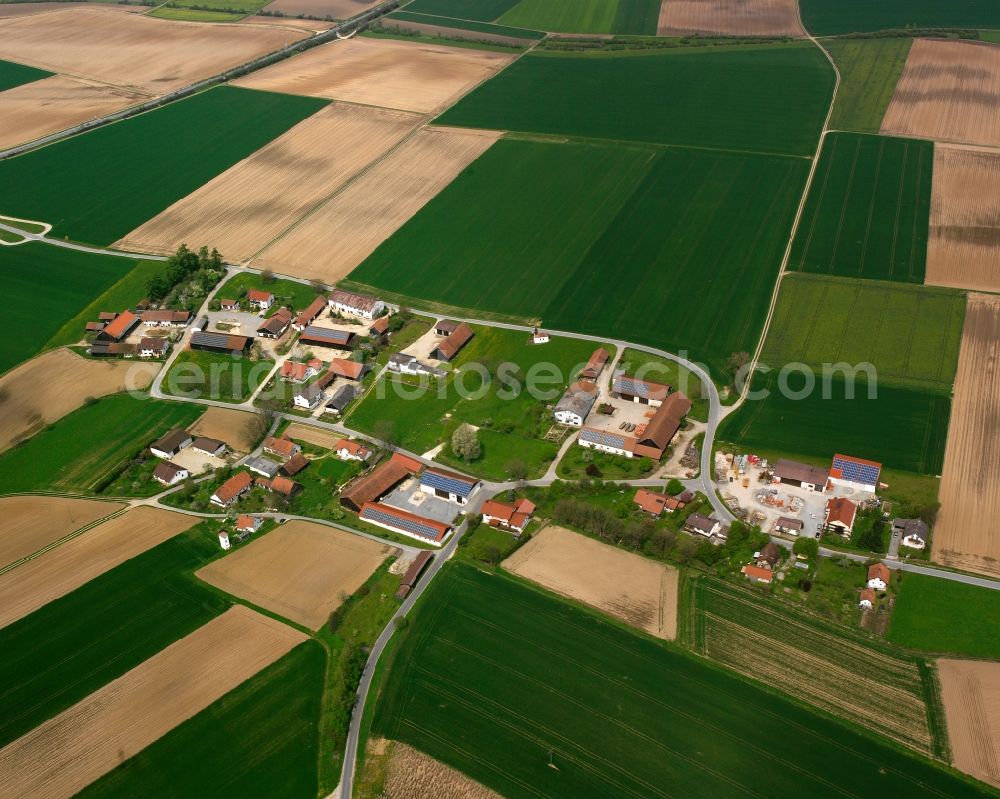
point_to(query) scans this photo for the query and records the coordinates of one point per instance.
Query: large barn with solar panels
(401, 521)
(447, 485)
(855, 473)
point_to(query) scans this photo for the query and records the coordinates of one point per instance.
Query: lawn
(13, 74)
(86, 448)
(834, 17)
(481, 10)
(229, 6)
(766, 98)
(195, 15)
(585, 16)
(216, 376)
(868, 209)
(466, 25)
(869, 70)
(699, 279)
(46, 286)
(909, 334)
(71, 647)
(552, 700)
(901, 428)
(295, 295)
(267, 730)
(100, 185)
(945, 617)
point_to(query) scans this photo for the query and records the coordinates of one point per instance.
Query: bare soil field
(452, 33)
(8, 10)
(971, 693)
(312, 435)
(629, 587)
(47, 106)
(68, 379)
(151, 55)
(289, 22)
(65, 754)
(729, 17)
(299, 571)
(65, 568)
(337, 237)
(969, 495)
(963, 250)
(410, 76)
(949, 91)
(337, 9)
(413, 775)
(30, 523)
(226, 425)
(248, 205)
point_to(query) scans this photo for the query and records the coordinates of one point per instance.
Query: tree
(318, 286)
(465, 443)
(516, 469)
(258, 424)
(806, 547)
(686, 549)
(385, 431)
(735, 364)
(674, 486)
(267, 276)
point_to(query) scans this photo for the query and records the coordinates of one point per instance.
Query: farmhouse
(153, 347)
(229, 305)
(757, 574)
(282, 447)
(840, 515)
(788, 525)
(261, 300)
(878, 576)
(378, 482)
(606, 441)
(112, 349)
(447, 485)
(310, 314)
(509, 517)
(294, 465)
(350, 370)
(122, 325)
(166, 318)
(299, 372)
(575, 405)
(800, 475)
(409, 365)
(453, 343)
(344, 302)
(703, 525)
(914, 532)
(401, 521)
(641, 391)
(170, 473)
(170, 444)
(262, 466)
(308, 397)
(867, 599)
(231, 490)
(276, 326)
(340, 400)
(651, 502)
(219, 342)
(855, 473)
(325, 337)
(245, 523)
(351, 450)
(598, 360)
(445, 327)
(413, 574)
(209, 446)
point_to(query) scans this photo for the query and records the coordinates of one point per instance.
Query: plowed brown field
(46, 106)
(970, 495)
(38, 581)
(964, 246)
(26, 9)
(68, 380)
(329, 243)
(407, 75)
(65, 754)
(312, 435)
(30, 523)
(249, 204)
(730, 17)
(226, 425)
(154, 55)
(629, 587)
(971, 693)
(949, 91)
(300, 571)
(337, 9)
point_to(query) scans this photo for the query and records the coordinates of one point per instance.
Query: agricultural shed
(454, 342)
(800, 475)
(375, 485)
(219, 342)
(404, 522)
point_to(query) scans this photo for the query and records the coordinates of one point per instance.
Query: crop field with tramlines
(816, 661)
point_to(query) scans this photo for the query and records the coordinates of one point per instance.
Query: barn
(314, 336)
(641, 391)
(453, 343)
(219, 342)
(447, 485)
(855, 473)
(799, 475)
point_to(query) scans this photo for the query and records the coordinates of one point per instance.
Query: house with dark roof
(164, 317)
(606, 441)
(231, 490)
(150, 347)
(346, 302)
(112, 349)
(170, 444)
(409, 365)
(314, 336)
(445, 327)
(413, 574)
(576, 403)
(453, 343)
(209, 446)
(788, 525)
(448, 485)
(641, 391)
(294, 465)
(276, 325)
(404, 522)
(914, 532)
(799, 475)
(219, 342)
(170, 473)
(703, 525)
(769, 555)
(341, 398)
(308, 397)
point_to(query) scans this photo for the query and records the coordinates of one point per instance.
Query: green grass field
(267, 731)
(551, 700)
(228, 6)
(195, 15)
(100, 185)
(481, 10)
(296, 295)
(84, 448)
(13, 74)
(681, 246)
(834, 17)
(662, 370)
(902, 428)
(466, 25)
(767, 98)
(576, 16)
(48, 286)
(910, 334)
(71, 647)
(214, 375)
(945, 617)
(869, 70)
(868, 209)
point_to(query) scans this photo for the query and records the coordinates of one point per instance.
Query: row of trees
(186, 277)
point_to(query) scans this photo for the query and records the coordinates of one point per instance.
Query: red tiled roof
(511, 515)
(282, 485)
(310, 313)
(122, 324)
(879, 570)
(246, 522)
(380, 325)
(757, 573)
(412, 465)
(525, 506)
(456, 339)
(375, 484)
(345, 368)
(294, 370)
(650, 501)
(166, 315)
(867, 593)
(255, 295)
(841, 509)
(352, 447)
(283, 446)
(295, 464)
(234, 486)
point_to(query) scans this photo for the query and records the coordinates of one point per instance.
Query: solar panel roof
(857, 471)
(416, 526)
(454, 484)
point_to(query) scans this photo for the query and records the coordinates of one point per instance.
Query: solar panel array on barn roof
(446, 481)
(640, 388)
(407, 522)
(857, 470)
(602, 437)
